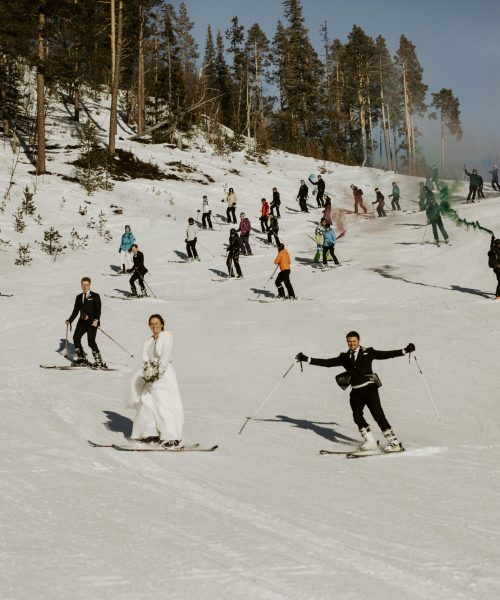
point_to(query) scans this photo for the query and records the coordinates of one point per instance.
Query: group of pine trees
(353, 102)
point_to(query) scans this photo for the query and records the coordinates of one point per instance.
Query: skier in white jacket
(191, 239)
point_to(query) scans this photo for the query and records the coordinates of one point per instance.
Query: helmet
(281, 246)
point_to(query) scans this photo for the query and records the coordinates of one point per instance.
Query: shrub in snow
(23, 255)
(77, 241)
(52, 243)
(27, 204)
(19, 224)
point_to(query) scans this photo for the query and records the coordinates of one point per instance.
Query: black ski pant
(270, 234)
(233, 260)
(395, 204)
(303, 204)
(264, 227)
(381, 211)
(331, 250)
(319, 199)
(480, 193)
(191, 249)
(136, 277)
(275, 206)
(472, 192)
(367, 396)
(206, 218)
(497, 273)
(438, 223)
(231, 214)
(82, 328)
(494, 182)
(284, 278)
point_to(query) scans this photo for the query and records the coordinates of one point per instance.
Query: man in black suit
(138, 270)
(364, 387)
(88, 306)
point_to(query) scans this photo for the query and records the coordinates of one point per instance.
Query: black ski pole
(119, 346)
(143, 279)
(266, 398)
(428, 390)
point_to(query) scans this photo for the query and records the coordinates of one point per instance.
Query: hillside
(265, 516)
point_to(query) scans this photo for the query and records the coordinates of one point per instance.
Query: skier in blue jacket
(127, 241)
(329, 241)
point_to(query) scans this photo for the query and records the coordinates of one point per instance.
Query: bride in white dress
(160, 416)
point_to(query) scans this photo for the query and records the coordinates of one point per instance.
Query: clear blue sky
(458, 43)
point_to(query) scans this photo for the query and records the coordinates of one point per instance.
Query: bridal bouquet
(152, 370)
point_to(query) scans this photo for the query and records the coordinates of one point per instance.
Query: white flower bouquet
(152, 370)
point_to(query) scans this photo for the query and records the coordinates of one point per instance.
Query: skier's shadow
(304, 261)
(62, 348)
(265, 293)
(325, 432)
(222, 218)
(218, 272)
(115, 268)
(180, 254)
(118, 423)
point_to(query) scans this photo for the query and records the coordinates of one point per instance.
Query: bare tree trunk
(113, 40)
(408, 124)
(156, 67)
(116, 83)
(442, 144)
(413, 151)
(3, 96)
(362, 123)
(370, 127)
(141, 100)
(40, 93)
(392, 150)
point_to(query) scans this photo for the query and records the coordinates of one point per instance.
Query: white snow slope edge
(264, 517)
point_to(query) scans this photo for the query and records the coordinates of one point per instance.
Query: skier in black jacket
(88, 305)
(233, 255)
(275, 203)
(321, 190)
(364, 387)
(302, 196)
(494, 262)
(138, 270)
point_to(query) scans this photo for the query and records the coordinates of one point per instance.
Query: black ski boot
(98, 362)
(80, 360)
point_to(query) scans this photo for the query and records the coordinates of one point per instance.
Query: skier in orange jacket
(283, 261)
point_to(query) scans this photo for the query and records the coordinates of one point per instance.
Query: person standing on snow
(396, 194)
(494, 178)
(232, 202)
(327, 212)
(88, 306)
(480, 193)
(139, 271)
(435, 176)
(273, 230)
(357, 361)
(275, 204)
(206, 216)
(191, 239)
(329, 241)
(126, 243)
(233, 255)
(320, 184)
(433, 213)
(155, 391)
(244, 230)
(494, 262)
(264, 215)
(283, 261)
(380, 201)
(358, 198)
(303, 195)
(474, 182)
(421, 195)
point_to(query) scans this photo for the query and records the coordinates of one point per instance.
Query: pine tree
(448, 106)
(223, 83)
(236, 35)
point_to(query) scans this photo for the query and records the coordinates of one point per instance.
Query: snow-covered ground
(264, 517)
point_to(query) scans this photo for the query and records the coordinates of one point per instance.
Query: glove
(301, 357)
(410, 348)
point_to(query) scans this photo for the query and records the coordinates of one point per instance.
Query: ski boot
(393, 444)
(370, 443)
(172, 444)
(80, 360)
(133, 292)
(123, 270)
(98, 362)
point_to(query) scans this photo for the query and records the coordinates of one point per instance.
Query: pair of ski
(90, 367)
(154, 448)
(6, 295)
(357, 453)
(129, 297)
(269, 300)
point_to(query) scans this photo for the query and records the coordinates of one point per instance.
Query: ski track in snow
(264, 517)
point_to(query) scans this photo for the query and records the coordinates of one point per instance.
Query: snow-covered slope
(264, 517)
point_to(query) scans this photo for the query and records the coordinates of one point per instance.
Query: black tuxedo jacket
(139, 264)
(363, 364)
(91, 308)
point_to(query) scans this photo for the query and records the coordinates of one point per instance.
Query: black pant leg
(357, 402)
(278, 212)
(80, 331)
(286, 280)
(236, 261)
(204, 221)
(209, 219)
(279, 284)
(229, 266)
(91, 333)
(375, 407)
(325, 255)
(497, 273)
(332, 252)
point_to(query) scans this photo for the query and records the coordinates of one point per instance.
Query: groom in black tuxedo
(88, 306)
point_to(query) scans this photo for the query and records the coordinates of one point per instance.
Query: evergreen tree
(448, 106)
(223, 83)
(236, 35)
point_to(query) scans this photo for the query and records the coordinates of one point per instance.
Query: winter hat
(233, 230)
(242, 214)
(281, 247)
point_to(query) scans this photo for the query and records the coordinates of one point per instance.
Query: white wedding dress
(159, 405)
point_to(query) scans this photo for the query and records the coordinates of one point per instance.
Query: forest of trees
(353, 102)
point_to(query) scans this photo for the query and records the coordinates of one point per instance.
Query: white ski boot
(370, 443)
(393, 444)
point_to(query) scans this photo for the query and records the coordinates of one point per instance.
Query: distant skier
(191, 239)
(494, 262)
(283, 261)
(318, 238)
(139, 271)
(88, 306)
(327, 212)
(303, 195)
(125, 244)
(275, 204)
(329, 241)
(364, 387)
(433, 213)
(421, 195)
(380, 201)
(232, 202)
(396, 195)
(244, 230)
(473, 184)
(435, 176)
(480, 193)
(233, 255)
(264, 215)
(494, 178)
(206, 217)
(320, 184)
(358, 198)
(273, 230)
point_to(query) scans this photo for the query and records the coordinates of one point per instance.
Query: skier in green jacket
(474, 182)
(433, 213)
